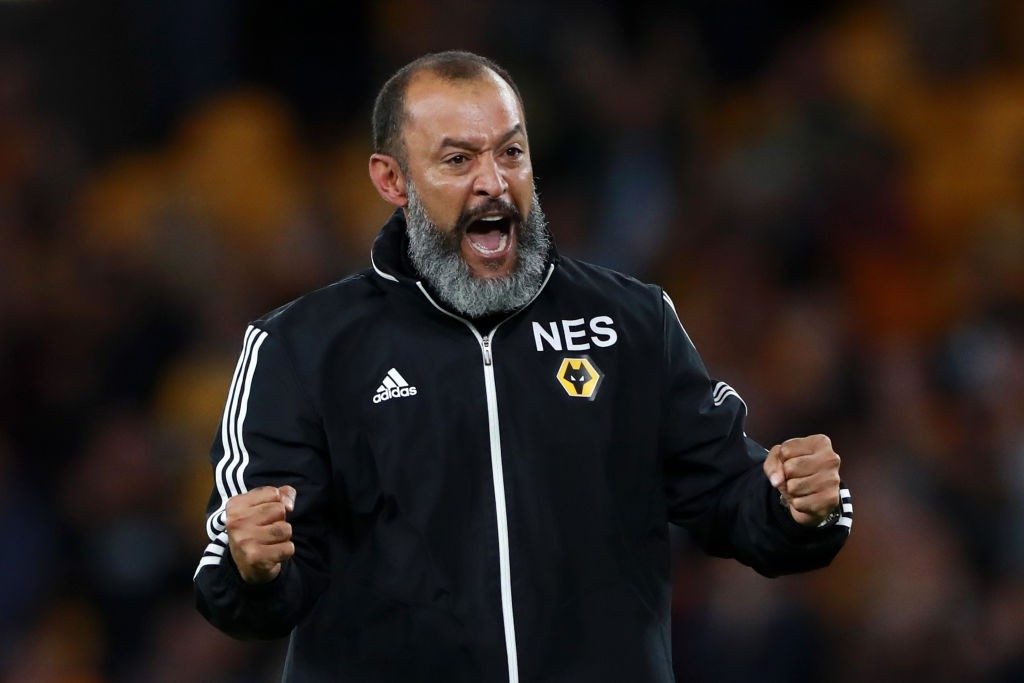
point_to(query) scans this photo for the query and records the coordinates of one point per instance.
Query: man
(460, 464)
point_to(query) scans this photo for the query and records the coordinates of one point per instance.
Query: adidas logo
(393, 386)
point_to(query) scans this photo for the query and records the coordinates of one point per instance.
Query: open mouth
(490, 236)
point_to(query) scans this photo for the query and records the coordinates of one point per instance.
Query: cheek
(521, 185)
(444, 200)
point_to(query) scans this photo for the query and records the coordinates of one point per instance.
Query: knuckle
(248, 549)
(801, 505)
(236, 504)
(812, 506)
(824, 440)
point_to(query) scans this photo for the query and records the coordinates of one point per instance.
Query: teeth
(502, 243)
(491, 219)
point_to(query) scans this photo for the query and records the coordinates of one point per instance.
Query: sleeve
(269, 436)
(714, 482)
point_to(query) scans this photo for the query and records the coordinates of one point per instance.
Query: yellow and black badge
(580, 377)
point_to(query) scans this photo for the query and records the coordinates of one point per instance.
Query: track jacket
(485, 503)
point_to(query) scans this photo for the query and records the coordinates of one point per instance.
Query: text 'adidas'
(393, 386)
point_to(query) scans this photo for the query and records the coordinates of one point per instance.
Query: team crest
(580, 377)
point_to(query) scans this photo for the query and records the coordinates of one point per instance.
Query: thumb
(288, 496)
(773, 467)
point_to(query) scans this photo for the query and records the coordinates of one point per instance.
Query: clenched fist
(806, 473)
(259, 537)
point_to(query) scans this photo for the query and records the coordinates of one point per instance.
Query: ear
(387, 177)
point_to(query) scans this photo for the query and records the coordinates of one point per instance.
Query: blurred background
(832, 192)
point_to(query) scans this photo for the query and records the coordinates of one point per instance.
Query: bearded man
(460, 464)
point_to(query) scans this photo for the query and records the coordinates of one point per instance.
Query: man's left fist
(806, 472)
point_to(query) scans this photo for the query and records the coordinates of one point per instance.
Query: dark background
(832, 192)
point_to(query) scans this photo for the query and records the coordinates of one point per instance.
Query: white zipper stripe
(497, 472)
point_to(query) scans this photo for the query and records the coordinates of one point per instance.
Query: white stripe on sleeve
(723, 391)
(245, 410)
(668, 300)
(206, 561)
(241, 399)
(229, 406)
(228, 474)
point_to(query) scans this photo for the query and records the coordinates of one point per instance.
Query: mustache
(490, 206)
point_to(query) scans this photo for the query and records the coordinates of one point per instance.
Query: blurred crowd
(833, 193)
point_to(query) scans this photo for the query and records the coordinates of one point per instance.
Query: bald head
(389, 110)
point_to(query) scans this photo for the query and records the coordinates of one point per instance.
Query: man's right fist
(259, 537)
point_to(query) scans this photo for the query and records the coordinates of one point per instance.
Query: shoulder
(323, 308)
(593, 281)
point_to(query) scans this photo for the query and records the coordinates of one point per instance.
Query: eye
(456, 160)
(514, 152)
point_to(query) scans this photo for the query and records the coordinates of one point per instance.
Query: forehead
(479, 110)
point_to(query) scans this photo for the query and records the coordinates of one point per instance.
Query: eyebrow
(465, 144)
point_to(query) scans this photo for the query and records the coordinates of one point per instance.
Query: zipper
(485, 344)
(497, 472)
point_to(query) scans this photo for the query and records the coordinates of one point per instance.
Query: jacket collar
(390, 253)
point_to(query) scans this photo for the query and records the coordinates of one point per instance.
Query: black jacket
(485, 504)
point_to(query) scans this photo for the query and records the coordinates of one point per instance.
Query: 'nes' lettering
(574, 329)
(604, 335)
(550, 336)
(572, 335)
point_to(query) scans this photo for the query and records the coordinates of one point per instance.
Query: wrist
(808, 520)
(831, 518)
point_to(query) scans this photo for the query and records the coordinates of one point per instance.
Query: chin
(484, 268)
(493, 268)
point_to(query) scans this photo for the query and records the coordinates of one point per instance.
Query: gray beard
(437, 257)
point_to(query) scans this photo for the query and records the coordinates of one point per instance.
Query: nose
(489, 181)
